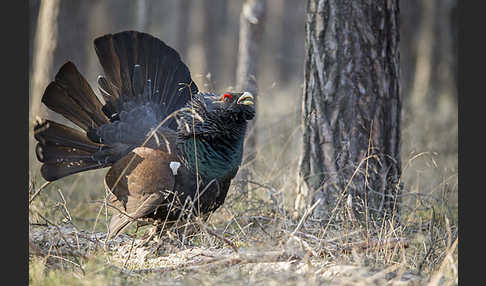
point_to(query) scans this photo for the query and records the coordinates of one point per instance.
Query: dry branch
(38, 191)
(376, 244)
(211, 232)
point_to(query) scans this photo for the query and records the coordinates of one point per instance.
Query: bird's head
(241, 104)
(210, 115)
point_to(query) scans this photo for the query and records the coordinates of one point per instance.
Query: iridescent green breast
(216, 158)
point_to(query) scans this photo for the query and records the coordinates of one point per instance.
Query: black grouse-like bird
(172, 149)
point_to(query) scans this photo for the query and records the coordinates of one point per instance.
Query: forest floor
(257, 237)
(251, 240)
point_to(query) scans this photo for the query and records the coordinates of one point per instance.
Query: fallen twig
(210, 231)
(38, 191)
(306, 214)
(376, 244)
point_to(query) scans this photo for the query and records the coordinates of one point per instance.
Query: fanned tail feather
(145, 80)
(142, 69)
(64, 150)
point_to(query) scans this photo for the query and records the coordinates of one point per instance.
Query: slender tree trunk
(34, 6)
(75, 47)
(44, 45)
(215, 13)
(410, 23)
(454, 38)
(45, 39)
(289, 28)
(182, 27)
(443, 81)
(251, 30)
(423, 64)
(351, 108)
(434, 71)
(143, 8)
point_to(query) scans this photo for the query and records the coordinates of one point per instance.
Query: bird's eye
(225, 96)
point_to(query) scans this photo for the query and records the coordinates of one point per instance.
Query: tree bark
(351, 108)
(251, 30)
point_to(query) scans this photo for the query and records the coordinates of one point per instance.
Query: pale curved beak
(246, 98)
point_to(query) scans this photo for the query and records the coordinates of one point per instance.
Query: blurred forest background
(206, 33)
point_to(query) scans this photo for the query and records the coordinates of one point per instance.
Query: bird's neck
(214, 157)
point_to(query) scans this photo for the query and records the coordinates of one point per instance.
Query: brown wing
(138, 184)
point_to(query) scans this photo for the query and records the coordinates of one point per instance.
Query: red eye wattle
(225, 96)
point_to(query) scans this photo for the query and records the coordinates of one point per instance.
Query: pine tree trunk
(351, 108)
(215, 13)
(44, 46)
(410, 23)
(443, 81)
(142, 18)
(251, 30)
(423, 65)
(182, 27)
(74, 45)
(289, 28)
(34, 6)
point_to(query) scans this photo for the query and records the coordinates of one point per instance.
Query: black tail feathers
(140, 68)
(71, 96)
(64, 150)
(145, 80)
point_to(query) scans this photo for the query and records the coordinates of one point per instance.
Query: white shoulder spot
(174, 166)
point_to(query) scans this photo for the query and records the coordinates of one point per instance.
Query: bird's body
(172, 151)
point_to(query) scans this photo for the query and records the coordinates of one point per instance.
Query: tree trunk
(289, 29)
(215, 13)
(423, 65)
(410, 23)
(34, 6)
(44, 45)
(182, 27)
(351, 108)
(251, 30)
(435, 62)
(142, 18)
(74, 46)
(443, 80)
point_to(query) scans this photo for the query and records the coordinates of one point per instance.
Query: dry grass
(275, 246)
